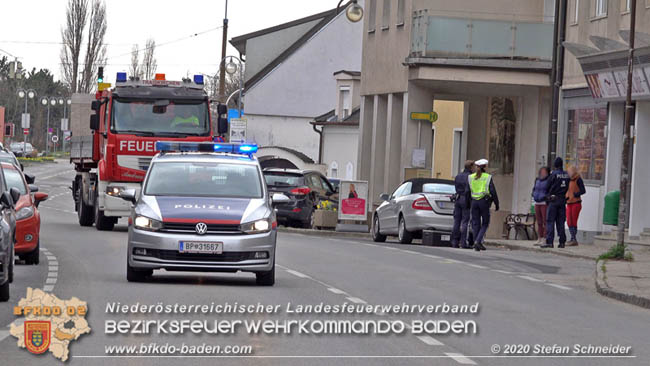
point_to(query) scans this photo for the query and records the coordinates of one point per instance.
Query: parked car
(335, 182)
(7, 234)
(416, 205)
(28, 219)
(305, 189)
(7, 156)
(23, 149)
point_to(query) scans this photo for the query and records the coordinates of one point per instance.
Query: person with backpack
(558, 185)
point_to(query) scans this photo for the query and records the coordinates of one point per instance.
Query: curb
(324, 233)
(603, 288)
(539, 250)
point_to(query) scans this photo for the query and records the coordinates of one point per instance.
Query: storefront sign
(353, 198)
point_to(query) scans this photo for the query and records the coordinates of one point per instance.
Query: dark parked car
(305, 189)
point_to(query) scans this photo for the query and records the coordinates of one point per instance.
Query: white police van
(203, 207)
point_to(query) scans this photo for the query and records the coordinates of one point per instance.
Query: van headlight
(24, 213)
(256, 227)
(146, 223)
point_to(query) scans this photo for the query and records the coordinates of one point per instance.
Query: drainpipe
(320, 142)
(557, 74)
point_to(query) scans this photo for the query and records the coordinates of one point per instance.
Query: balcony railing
(446, 37)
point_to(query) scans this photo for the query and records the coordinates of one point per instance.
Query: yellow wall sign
(103, 86)
(425, 116)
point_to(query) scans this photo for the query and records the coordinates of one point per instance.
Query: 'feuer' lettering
(149, 146)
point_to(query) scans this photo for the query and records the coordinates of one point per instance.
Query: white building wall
(292, 132)
(340, 146)
(303, 85)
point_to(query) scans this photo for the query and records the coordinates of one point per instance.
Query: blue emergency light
(121, 77)
(198, 79)
(172, 146)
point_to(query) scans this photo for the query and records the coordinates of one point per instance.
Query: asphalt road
(524, 298)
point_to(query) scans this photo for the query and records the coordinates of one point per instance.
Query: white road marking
(48, 288)
(432, 256)
(336, 291)
(501, 271)
(531, 278)
(430, 340)
(356, 300)
(559, 286)
(476, 266)
(460, 358)
(297, 274)
(53, 274)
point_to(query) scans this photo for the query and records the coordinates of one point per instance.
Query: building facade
(590, 132)
(496, 63)
(297, 58)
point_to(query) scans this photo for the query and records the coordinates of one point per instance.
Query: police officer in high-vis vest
(483, 194)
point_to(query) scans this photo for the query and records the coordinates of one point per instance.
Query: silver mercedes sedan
(417, 204)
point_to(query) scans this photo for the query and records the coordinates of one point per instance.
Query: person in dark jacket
(539, 198)
(574, 203)
(558, 184)
(483, 195)
(462, 207)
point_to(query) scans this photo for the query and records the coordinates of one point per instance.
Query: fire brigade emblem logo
(37, 335)
(201, 228)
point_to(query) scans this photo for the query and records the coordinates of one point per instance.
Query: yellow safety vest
(480, 187)
(180, 120)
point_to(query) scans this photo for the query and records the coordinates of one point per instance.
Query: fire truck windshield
(160, 118)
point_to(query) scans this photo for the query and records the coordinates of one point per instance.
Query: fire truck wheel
(102, 223)
(84, 212)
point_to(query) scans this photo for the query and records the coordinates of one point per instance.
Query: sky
(31, 30)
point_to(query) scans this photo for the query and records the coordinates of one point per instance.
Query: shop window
(587, 143)
(501, 143)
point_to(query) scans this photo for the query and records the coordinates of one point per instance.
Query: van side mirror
(94, 122)
(29, 178)
(128, 195)
(5, 200)
(279, 198)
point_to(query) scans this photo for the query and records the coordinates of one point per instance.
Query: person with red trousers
(574, 203)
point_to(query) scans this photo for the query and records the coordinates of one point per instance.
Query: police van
(203, 207)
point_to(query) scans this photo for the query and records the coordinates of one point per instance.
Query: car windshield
(15, 180)
(440, 188)
(204, 179)
(283, 179)
(160, 118)
(5, 158)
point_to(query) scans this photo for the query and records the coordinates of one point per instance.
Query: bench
(520, 223)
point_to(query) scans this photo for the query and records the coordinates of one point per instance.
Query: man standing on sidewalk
(558, 185)
(462, 207)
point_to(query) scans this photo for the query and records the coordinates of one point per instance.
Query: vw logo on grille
(201, 228)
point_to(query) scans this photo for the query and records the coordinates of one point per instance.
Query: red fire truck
(127, 122)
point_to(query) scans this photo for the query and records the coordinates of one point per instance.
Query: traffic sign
(64, 124)
(55, 139)
(25, 131)
(425, 116)
(25, 119)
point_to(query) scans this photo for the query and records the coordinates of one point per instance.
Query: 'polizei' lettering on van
(205, 207)
(139, 146)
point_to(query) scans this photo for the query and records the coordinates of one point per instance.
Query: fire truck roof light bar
(170, 146)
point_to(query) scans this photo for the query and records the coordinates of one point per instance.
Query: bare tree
(71, 36)
(149, 64)
(134, 69)
(96, 48)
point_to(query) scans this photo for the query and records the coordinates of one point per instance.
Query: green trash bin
(610, 212)
(532, 209)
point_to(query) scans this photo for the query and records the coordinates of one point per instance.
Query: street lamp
(231, 69)
(48, 101)
(25, 94)
(354, 11)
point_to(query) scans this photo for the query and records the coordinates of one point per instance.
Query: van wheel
(376, 234)
(84, 212)
(266, 278)
(133, 275)
(4, 292)
(405, 236)
(102, 223)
